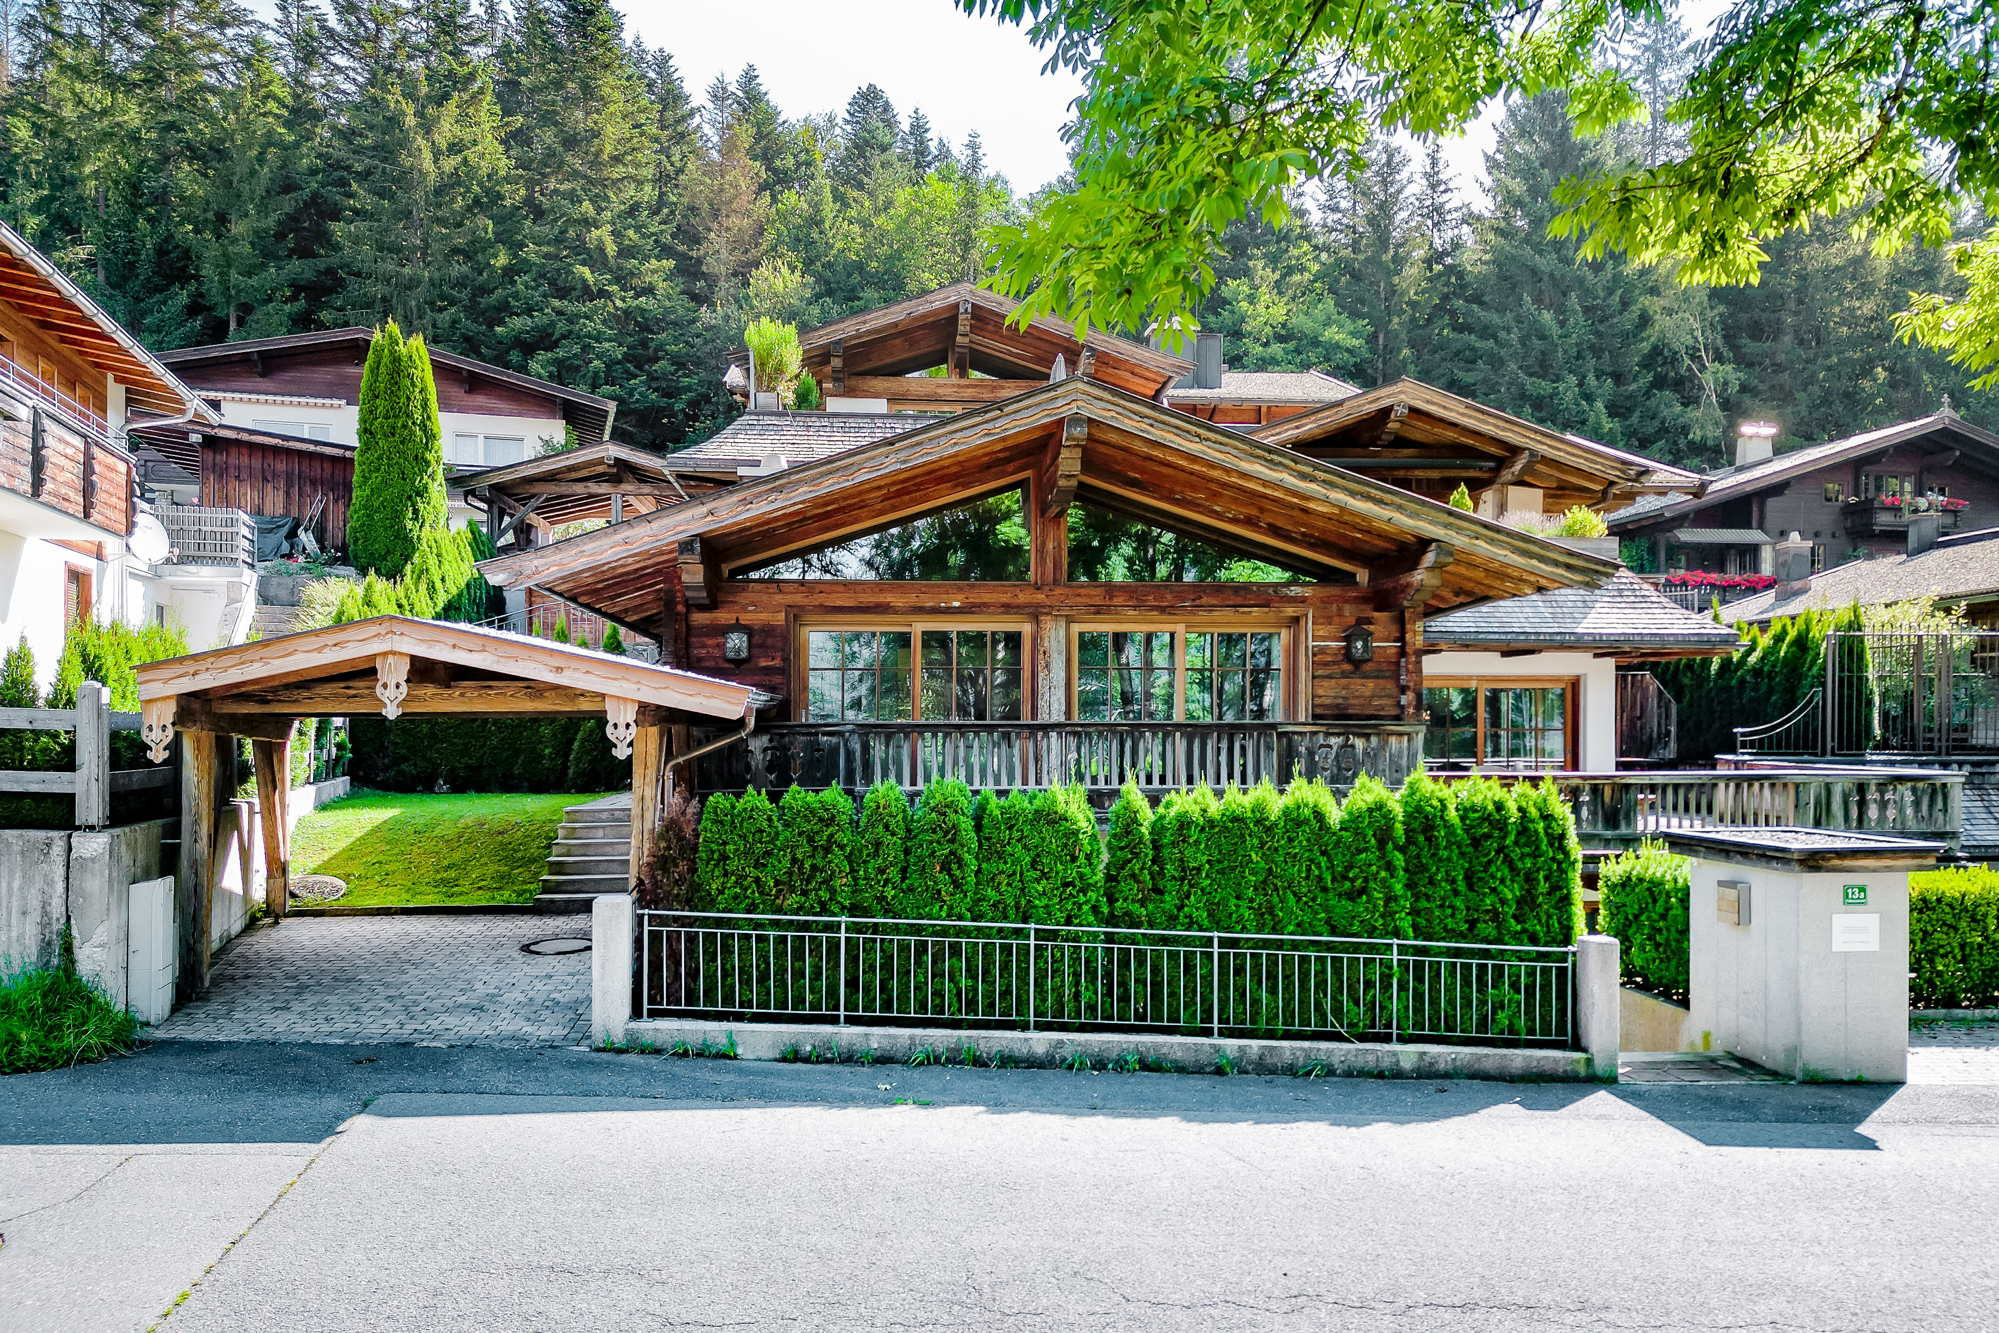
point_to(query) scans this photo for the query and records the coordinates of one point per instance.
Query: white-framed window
(304, 430)
(474, 449)
(1191, 673)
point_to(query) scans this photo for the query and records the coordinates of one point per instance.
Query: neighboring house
(1850, 498)
(1958, 569)
(1246, 399)
(72, 382)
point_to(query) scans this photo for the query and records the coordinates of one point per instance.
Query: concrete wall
(49, 877)
(1652, 1024)
(34, 896)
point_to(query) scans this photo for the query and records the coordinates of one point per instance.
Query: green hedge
(552, 754)
(1643, 902)
(1954, 938)
(1252, 860)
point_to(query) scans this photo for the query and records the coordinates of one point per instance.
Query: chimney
(1755, 441)
(1207, 360)
(1923, 531)
(1793, 566)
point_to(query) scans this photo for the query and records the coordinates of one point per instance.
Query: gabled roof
(922, 331)
(1959, 568)
(31, 282)
(1132, 455)
(1733, 483)
(588, 413)
(796, 437)
(578, 483)
(1420, 420)
(1269, 388)
(1626, 616)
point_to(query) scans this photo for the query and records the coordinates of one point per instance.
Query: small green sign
(1853, 895)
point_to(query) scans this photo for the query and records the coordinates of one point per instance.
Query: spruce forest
(528, 184)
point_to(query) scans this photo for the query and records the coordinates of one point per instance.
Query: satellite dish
(149, 540)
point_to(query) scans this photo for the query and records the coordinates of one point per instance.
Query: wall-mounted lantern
(1360, 645)
(736, 644)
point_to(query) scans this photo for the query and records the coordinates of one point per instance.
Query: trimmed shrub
(879, 860)
(1492, 885)
(1643, 903)
(711, 859)
(1128, 860)
(943, 852)
(1954, 938)
(1006, 857)
(1370, 895)
(1550, 861)
(614, 642)
(1300, 855)
(815, 851)
(1180, 858)
(751, 882)
(1065, 885)
(1235, 893)
(1436, 854)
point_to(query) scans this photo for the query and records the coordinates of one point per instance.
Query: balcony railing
(202, 536)
(40, 393)
(1100, 756)
(1877, 518)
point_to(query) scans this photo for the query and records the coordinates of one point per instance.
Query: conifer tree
(399, 466)
(815, 848)
(1370, 896)
(711, 861)
(943, 853)
(1487, 815)
(1436, 853)
(1180, 852)
(1238, 845)
(1065, 883)
(1302, 847)
(879, 851)
(751, 885)
(1005, 857)
(1128, 865)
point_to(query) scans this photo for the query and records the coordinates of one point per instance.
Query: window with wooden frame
(76, 599)
(1500, 722)
(1179, 672)
(915, 671)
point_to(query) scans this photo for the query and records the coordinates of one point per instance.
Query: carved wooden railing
(1098, 755)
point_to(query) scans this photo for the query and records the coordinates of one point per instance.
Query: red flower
(1695, 578)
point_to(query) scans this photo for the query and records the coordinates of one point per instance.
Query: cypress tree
(399, 463)
(1180, 858)
(711, 857)
(1005, 858)
(1065, 878)
(879, 851)
(751, 886)
(614, 642)
(1370, 894)
(1128, 865)
(1486, 814)
(943, 853)
(1238, 839)
(1301, 858)
(815, 851)
(1435, 852)
(1552, 914)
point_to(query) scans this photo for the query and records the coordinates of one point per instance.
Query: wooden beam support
(194, 878)
(700, 575)
(1513, 469)
(1396, 416)
(392, 672)
(839, 368)
(273, 761)
(1086, 364)
(349, 698)
(194, 713)
(961, 347)
(648, 773)
(659, 490)
(1410, 581)
(520, 515)
(1062, 467)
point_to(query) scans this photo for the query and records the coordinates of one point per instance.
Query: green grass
(53, 1018)
(457, 848)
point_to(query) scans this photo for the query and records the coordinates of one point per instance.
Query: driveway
(437, 980)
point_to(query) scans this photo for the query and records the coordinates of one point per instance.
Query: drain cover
(560, 944)
(316, 888)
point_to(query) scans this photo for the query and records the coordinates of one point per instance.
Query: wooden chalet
(262, 472)
(1039, 677)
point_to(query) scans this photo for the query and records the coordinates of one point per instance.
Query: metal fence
(1048, 978)
(1925, 694)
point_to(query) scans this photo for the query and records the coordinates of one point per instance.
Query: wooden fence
(94, 781)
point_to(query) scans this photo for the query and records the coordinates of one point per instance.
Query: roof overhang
(1130, 455)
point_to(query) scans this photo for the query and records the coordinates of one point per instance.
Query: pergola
(400, 667)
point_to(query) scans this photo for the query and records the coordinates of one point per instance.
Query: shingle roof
(796, 437)
(1275, 387)
(1963, 565)
(1978, 835)
(1723, 537)
(1627, 612)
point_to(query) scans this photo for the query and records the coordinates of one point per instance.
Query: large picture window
(1500, 723)
(912, 672)
(1160, 674)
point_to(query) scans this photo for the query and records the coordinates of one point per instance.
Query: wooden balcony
(61, 454)
(1877, 518)
(1002, 756)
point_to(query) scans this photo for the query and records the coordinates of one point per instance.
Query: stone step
(560, 866)
(563, 904)
(576, 829)
(607, 882)
(592, 847)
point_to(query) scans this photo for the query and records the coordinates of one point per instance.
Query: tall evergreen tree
(399, 466)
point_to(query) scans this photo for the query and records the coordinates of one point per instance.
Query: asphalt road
(290, 1187)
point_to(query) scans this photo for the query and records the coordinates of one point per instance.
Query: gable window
(913, 672)
(1499, 723)
(1174, 673)
(472, 449)
(1888, 485)
(1835, 492)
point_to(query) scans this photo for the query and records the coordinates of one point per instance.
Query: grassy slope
(457, 848)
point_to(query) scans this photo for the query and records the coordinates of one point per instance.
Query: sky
(964, 73)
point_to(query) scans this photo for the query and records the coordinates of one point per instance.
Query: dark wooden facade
(55, 445)
(263, 477)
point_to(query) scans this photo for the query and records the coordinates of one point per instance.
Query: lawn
(457, 848)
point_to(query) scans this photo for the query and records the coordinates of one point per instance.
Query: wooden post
(648, 771)
(194, 881)
(273, 760)
(93, 755)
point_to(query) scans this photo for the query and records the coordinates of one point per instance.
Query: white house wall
(1596, 693)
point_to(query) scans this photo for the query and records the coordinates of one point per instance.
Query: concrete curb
(1955, 1015)
(1194, 1055)
(418, 909)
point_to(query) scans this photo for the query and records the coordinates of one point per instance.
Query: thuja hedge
(1247, 860)
(1954, 938)
(1642, 897)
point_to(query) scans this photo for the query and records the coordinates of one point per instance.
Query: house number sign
(1853, 895)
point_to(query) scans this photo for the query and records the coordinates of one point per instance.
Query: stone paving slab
(440, 980)
(1954, 1052)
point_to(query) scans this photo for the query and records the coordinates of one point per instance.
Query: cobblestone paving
(442, 980)
(1947, 1052)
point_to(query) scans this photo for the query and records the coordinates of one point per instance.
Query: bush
(109, 654)
(1180, 859)
(752, 851)
(777, 354)
(614, 642)
(1549, 861)
(879, 851)
(1300, 859)
(1954, 938)
(1461, 499)
(1436, 853)
(1065, 885)
(399, 464)
(1492, 883)
(1006, 857)
(51, 1018)
(1128, 864)
(1582, 521)
(1643, 903)
(669, 882)
(711, 858)
(551, 754)
(943, 853)
(815, 851)
(1239, 838)
(1370, 896)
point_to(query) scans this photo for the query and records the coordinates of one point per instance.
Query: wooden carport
(398, 666)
